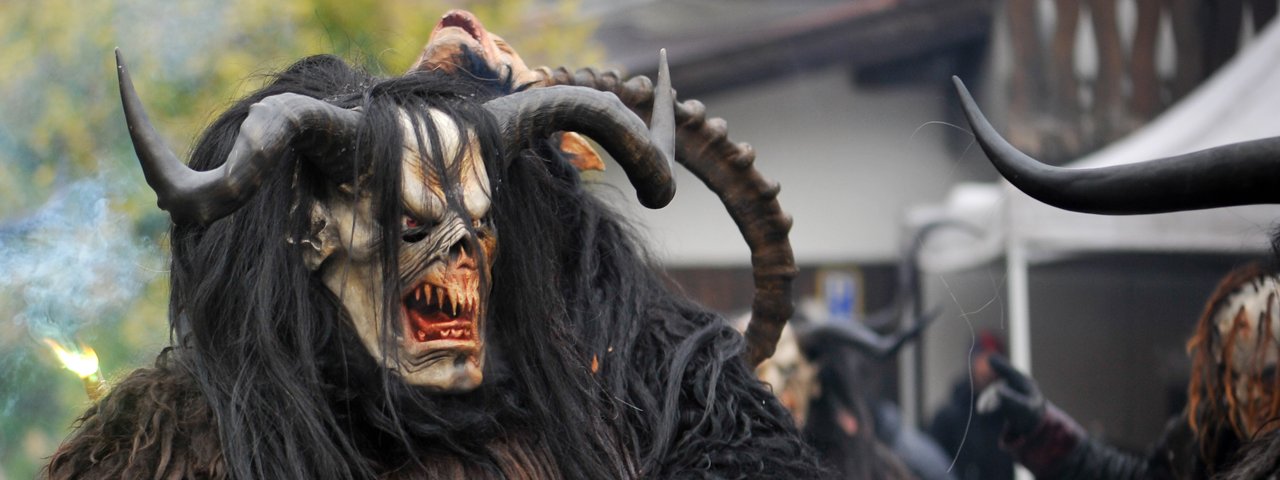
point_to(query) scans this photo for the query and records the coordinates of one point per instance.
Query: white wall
(849, 162)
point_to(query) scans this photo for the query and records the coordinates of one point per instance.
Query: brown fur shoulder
(154, 423)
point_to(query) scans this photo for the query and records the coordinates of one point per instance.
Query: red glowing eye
(409, 222)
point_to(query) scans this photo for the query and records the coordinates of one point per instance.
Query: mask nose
(460, 257)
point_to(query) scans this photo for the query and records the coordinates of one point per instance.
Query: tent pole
(1019, 316)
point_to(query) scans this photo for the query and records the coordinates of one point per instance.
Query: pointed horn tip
(978, 122)
(122, 70)
(961, 89)
(664, 70)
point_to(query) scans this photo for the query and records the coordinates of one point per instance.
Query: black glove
(1016, 398)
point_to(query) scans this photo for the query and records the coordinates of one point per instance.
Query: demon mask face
(434, 336)
(446, 251)
(1246, 343)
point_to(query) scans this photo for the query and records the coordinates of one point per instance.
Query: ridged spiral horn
(728, 169)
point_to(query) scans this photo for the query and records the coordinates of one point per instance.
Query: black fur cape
(595, 369)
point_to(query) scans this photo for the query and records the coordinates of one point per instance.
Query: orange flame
(84, 361)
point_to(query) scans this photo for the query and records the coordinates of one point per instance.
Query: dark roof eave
(854, 39)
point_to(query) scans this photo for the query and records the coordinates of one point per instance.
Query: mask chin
(446, 371)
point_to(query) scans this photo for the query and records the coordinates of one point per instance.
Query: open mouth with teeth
(464, 20)
(441, 316)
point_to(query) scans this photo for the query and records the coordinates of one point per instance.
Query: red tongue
(438, 326)
(421, 325)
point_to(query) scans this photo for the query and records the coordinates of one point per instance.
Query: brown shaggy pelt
(153, 424)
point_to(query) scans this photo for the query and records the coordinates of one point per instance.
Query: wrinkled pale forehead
(422, 178)
(1253, 312)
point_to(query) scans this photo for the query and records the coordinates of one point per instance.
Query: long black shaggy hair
(594, 368)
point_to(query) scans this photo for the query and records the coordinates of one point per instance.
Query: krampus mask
(1234, 390)
(448, 245)
(405, 277)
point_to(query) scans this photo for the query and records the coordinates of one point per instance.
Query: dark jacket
(972, 440)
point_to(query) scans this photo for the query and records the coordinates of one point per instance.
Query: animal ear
(321, 239)
(580, 152)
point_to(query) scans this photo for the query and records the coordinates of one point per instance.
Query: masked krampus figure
(1232, 395)
(404, 278)
(1231, 427)
(833, 384)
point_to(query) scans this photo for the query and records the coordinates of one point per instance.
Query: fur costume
(591, 366)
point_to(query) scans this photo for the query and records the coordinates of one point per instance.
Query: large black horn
(646, 154)
(1238, 174)
(314, 128)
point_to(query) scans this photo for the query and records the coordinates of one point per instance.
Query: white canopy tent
(1240, 102)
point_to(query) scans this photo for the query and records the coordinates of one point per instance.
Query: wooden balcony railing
(1058, 114)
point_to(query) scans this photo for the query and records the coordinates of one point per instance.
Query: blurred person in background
(828, 374)
(970, 439)
(1233, 401)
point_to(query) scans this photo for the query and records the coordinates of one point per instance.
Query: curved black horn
(861, 337)
(646, 154)
(308, 125)
(1237, 174)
